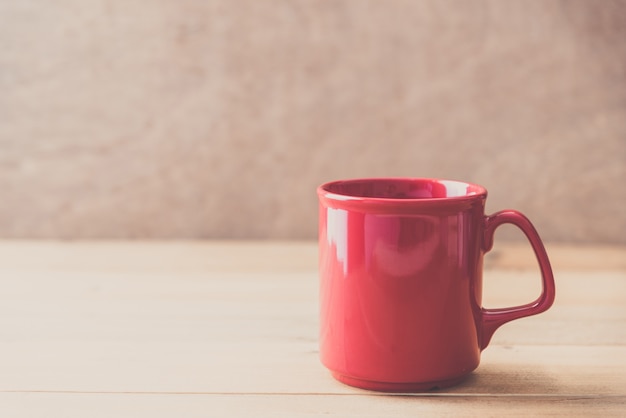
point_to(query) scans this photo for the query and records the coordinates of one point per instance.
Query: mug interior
(403, 188)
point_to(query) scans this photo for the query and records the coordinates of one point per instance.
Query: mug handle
(493, 318)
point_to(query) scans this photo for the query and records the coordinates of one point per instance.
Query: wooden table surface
(211, 329)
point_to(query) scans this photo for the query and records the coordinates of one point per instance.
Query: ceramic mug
(401, 281)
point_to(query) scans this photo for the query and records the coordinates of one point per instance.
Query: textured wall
(159, 118)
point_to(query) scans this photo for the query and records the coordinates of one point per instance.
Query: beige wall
(159, 118)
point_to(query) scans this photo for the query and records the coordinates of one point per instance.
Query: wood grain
(230, 328)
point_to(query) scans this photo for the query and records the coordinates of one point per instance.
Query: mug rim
(323, 190)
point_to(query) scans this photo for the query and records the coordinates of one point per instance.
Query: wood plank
(130, 306)
(158, 256)
(106, 405)
(280, 367)
(259, 255)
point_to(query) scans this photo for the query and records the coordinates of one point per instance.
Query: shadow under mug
(400, 263)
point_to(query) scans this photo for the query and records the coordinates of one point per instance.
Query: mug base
(406, 387)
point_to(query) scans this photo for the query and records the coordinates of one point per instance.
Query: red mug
(401, 281)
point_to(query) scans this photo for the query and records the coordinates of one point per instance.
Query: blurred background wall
(217, 119)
